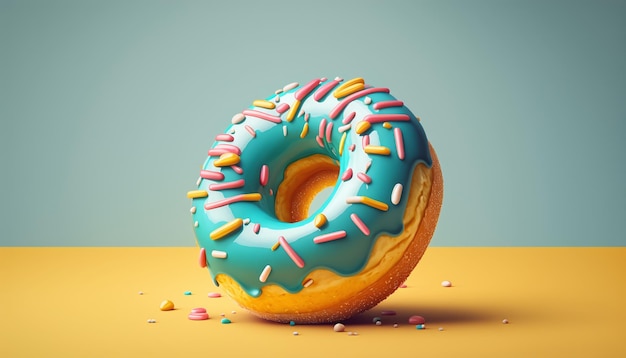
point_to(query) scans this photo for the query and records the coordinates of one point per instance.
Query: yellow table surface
(86, 302)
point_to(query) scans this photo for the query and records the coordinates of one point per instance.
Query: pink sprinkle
(351, 147)
(237, 169)
(329, 131)
(202, 258)
(256, 228)
(262, 115)
(379, 118)
(397, 133)
(224, 137)
(365, 140)
(364, 178)
(228, 201)
(198, 310)
(214, 295)
(341, 105)
(198, 316)
(329, 237)
(360, 224)
(388, 313)
(322, 127)
(290, 251)
(319, 141)
(282, 108)
(224, 148)
(387, 104)
(306, 89)
(227, 185)
(347, 175)
(323, 91)
(250, 130)
(211, 175)
(347, 119)
(417, 320)
(265, 175)
(403, 285)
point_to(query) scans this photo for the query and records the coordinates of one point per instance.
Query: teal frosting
(248, 253)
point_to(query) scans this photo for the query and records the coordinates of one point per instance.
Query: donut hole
(306, 185)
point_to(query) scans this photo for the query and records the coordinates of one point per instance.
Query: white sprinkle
(396, 194)
(277, 99)
(232, 131)
(367, 100)
(395, 325)
(378, 323)
(440, 329)
(344, 128)
(246, 221)
(339, 327)
(233, 312)
(192, 210)
(265, 273)
(338, 79)
(290, 86)
(195, 224)
(140, 293)
(301, 113)
(446, 283)
(295, 333)
(198, 181)
(285, 131)
(238, 118)
(152, 321)
(219, 254)
(505, 321)
(308, 282)
(278, 91)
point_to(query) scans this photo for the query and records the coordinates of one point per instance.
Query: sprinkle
(140, 293)
(166, 305)
(276, 246)
(367, 201)
(290, 251)
(224, 137)
(307, 283)
(374, 149)
(420, 326)
(187, 293)
(329, 131)
(347, 119)
(152, 320)
(364, 178)
(339, 327)
(237, 169)
(349, 87)
(292, 323)
(224, 148)
(227, 159)
(362, 127)
(301, 113)
(368, 165)
(227, 185)
(295, 333)
(306, 89)
(505, 321)
(194, 194)
(198, 316)
(290, 86)
(327, 87)
(265, 175)
(322, 127)
(265, 273)
(211, 175)
(264, 104)
(320, 220)
(388, 313)
(225, 321)
(285, 131)
(202, 258)
(365, 140)
(329, 237)
(306, 117)
(226, 229)
(387, 125)
(238, 118)
(376, 320)
(192, 210)
(198, 181)
(262, 115)
(396, 194)
(320, 141)
(417, 320)
(283, 107)
(246, 221)
(344, 128)
(397, 134)
(256, 228)
(341, 105)
(250, 130)
(305, 130)
(351, 147)
(347, 175)
(359, 224)
(277, 98)
(380, 118)
(292, 113)
(440, 329)
(387, 104)
(446, 283)
(219, 254)
(195, 224)
(214, 295)
(367, 100)
(278, 91)
(342, 142)
(395, 325)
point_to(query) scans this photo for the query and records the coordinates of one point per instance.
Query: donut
(265, 243)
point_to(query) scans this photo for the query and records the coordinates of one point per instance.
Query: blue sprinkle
(187, 293)
(420, 326)
(292, 323)
(225, 321)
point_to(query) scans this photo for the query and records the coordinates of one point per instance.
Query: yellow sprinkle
(226, 160)
(251, 197)
(374, 203)
(305, 130)
(387, 125)
(342, 143)
(263, 104)
(347, 88)
(320, 220)
(376, 149)
(197, 194)
(226, 229)
(276, 246)
(362, 127)
(294, 109)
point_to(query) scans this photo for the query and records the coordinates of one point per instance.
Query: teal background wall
(107, 108)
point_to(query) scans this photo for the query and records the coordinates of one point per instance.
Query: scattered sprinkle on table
(417, 320)
(225, 321)
(140, 293)
(339, 327)
(505, 321)
(395, 325)
(292, 323)
(388, 313)
(152, 321)
(187, 293)
(295, 333)
(214, 295)
(446, 283)
(420, 326)
(166, 305)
